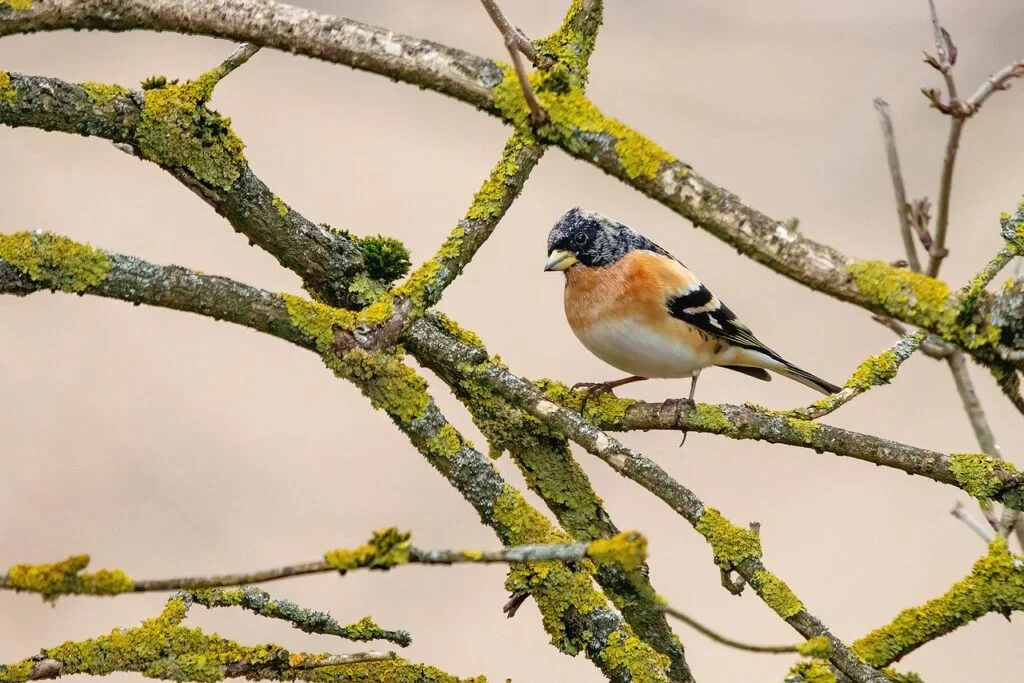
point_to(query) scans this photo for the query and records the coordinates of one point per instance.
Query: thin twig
(550, 552)
(729, 642)
(874, 371)
(902, 207)
(932, 346)
(237, 58)
(514, 40)
(984, 531)
(938, 250)
(321, 661)
(508, 30)
(1000, 80)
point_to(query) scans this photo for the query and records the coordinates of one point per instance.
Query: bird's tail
(787, 369)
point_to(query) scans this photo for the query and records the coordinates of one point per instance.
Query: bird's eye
(578, 239)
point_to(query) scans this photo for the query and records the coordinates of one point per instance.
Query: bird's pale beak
(560, 259)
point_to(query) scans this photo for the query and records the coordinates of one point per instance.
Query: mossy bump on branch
(57, 262)
(7, 93)
(66, 578)
(386, 549)
(178, 130)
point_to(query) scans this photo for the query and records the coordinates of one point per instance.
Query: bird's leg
(598, 388)
(689, 400)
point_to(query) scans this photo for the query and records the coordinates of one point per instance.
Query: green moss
(66, 578)
(818, 648)
(7, 93)
(575, 119)
(630, 654)
(57, 262)
(627, 549)
(385, 258)
(178, 130)
(17, 4)
(896, 677)
(995, 584)
(282, 208)
(976, 473)
(730, 544)
(813, 672)
(386, 549)
(776, 594)
(102, 93)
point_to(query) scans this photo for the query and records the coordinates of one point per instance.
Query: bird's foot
(594, 389)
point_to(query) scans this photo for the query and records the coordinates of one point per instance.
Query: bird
(639, 309)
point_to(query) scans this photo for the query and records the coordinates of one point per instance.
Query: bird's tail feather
(791, 371)
(768, 359)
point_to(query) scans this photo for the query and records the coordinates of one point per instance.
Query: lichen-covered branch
(387, 548)
(576, 125)
(734, 548)
(995, 584)
(163, 648)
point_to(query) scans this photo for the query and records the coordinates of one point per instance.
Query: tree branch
(724, 640)
(902, 206)
(648, 474)
(517, 44)
(995, 584)
(163, 648)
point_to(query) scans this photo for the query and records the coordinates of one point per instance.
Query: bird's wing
(694, 303)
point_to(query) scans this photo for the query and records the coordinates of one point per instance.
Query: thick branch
(474, 365)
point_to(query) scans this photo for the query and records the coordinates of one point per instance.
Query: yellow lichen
(575, 119)
(805, 429)
(57, 262)
(7, 93)
(66, 578)
(995, 584)
(818, 648)
(875, 370)
(976, 473)
(386, 549)
(17, 4)
(459, 333)
(390, 384)
(627, 549)
(776, 594)
(446, 443)
(178, 130)
(605, 410)
(730, 544)
(629, 653)
(494, 194)
(282, 208)
(814, 671)
(102, 93)
(710, 418)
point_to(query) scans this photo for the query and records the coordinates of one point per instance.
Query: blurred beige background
(169, 444)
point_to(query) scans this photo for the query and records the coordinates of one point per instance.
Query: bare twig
(932, 346)
(514, 42)
(902, 208)
(729, 642)
(938, 250)
(237, 58)
(509, 31)
(1000, 80)
(983, 530)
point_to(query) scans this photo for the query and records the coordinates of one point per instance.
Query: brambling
(639, 309)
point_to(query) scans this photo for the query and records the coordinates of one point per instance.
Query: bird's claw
(593, 389)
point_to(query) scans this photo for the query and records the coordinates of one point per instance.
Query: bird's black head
(586, 238)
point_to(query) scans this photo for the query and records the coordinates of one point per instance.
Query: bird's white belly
(636, 349)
